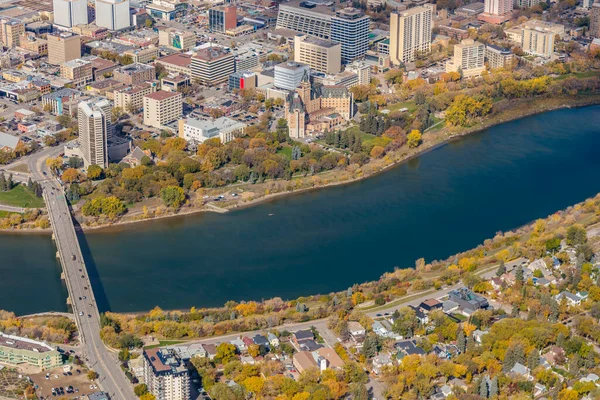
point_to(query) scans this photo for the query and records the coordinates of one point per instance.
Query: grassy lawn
(286, 151)
(20, 196)
(406, 104)
(162, 343)
(586, 74)
(4, 214)
(20, 168)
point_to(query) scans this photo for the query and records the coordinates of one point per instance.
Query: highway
(111, 379)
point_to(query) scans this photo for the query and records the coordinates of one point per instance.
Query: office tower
(288, 75)
(595, 20)
(95, 128)
(538, 41)
(221, 19)
(350, 27)
(68, 13)
(468, 59)
(63, 47)
(410, 33)
(305, 18)
(321, 55)
(12, 29)
(113, 14)
(212, 65)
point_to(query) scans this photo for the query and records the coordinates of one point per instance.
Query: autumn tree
(172, 196)
(70, 175)
(414, 139)
(94, 172)
(225, 352)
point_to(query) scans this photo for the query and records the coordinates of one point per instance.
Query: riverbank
(251, 195)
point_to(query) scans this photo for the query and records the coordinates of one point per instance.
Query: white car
(81, 313)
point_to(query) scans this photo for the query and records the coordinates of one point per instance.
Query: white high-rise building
(95, 128)
(113, 14)
(410, 33)
(68, 13)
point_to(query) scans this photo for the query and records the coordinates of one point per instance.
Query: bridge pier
(58, 255)
(62, 276)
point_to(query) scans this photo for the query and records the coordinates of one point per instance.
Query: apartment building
(11, 32)
(176, 39)
(410, 33)
(212, 65)
(131, 99)
(350, 28)
(166, 375)
(496, 11)
(222, 18)
(362, 70)
(177, 64)
(226, 129)
(31, 43)
(134, 74)
(468, 59)
(77, 71)
(305, 17)
(321, 55)
(95, 128)
(113, 15)
(63, 47)
(538, 41)
(69, 13)
(143, 56)
(595, 20)
(161, 108)
(498, 57)
(15, 350)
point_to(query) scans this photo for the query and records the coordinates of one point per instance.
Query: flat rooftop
(162, 95)
(319, 42)
(211, 53)
(15, 342)
(181, 60)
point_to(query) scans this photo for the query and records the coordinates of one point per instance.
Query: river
(446, 201)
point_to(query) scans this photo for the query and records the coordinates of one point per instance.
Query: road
(96, 355)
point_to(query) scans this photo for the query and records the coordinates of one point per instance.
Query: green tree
(94, 172)
(226, 352)
(576, 235)
(172, 196)
(369, 349)
(501, 269)
(140, 389)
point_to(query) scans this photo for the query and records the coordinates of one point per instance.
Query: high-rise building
(586, 4)
(410, 33)
(113, 14)
(11, 31)
(166, 375)
(95, 128)
(321, 55)
(498, 57)
(526, 3)
(496, 11)
(176, 39)
(212, 65)
(595, 20)
(538, 41)
(161, 108)
(350, 27)
(63, 47)
(468, 59)
(68, 13)
(221, 19)
(288, 75)
(305, 18)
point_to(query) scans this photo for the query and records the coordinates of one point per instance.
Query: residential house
(539, 390)
(449, 306)
(383, 328)
(467, 300)
(309, 345)
(430, 305)
(420, 315)
(211, 350)
(446, 391)
(273, 340)
(239, 344)
(302, 336)
(572, 299)
(303, 360)
(522, 371)
(261, 341)
(247, 341)
(554, 356)
(333, 359)
(478, 335)
(380, 361)
(496, 283)
(407, 348)
(590, 378)
(247, 360)
(356, 330)
(134, 158)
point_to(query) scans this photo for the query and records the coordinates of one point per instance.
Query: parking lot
(57, 379)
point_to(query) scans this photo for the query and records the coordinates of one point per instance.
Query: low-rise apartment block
(143, 56)
(77, 71)
(131, 99)
(226, 129)
(161, 108)
(134, 74)
(16, 350)
(469, 59)
(498, 57)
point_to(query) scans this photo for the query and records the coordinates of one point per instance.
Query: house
(211, 350)
(521, 371)
(380, 361)
(539, 389)
(538, 264)
(478, 335)
(239, 344)
(407, 348)
(420, 315)
(449, 306)
(247, 341)
(430, 305)
(302, 336)
(382, 328)
(572, 299)
(303, 360)
(541, 282)
(555, 355)
(445, 351)
(496, 282)
(446, 390)
(356, 330)
(261, 340)
(333, 360)
(247, 360)
(273, 340)
(309, 345)
(134, 158)
(467, 300)
(590, 378)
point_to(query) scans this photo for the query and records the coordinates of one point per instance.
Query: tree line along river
(443, 202)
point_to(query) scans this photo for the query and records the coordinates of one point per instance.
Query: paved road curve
(97, 356)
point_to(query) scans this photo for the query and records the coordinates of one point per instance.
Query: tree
(519, 274)
(70, 175)
(533, 360)
(414, 138)
(461, 341)
(92, 375)
(226, 352)
(95, 172)
(576, 235)
(140, 389)
(172, 196)
(501, 269)
(54, 163)
(483, 388)
(369, 349)
(147, 396)
(494, 390)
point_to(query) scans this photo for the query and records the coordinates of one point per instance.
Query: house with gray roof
(8, 142)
